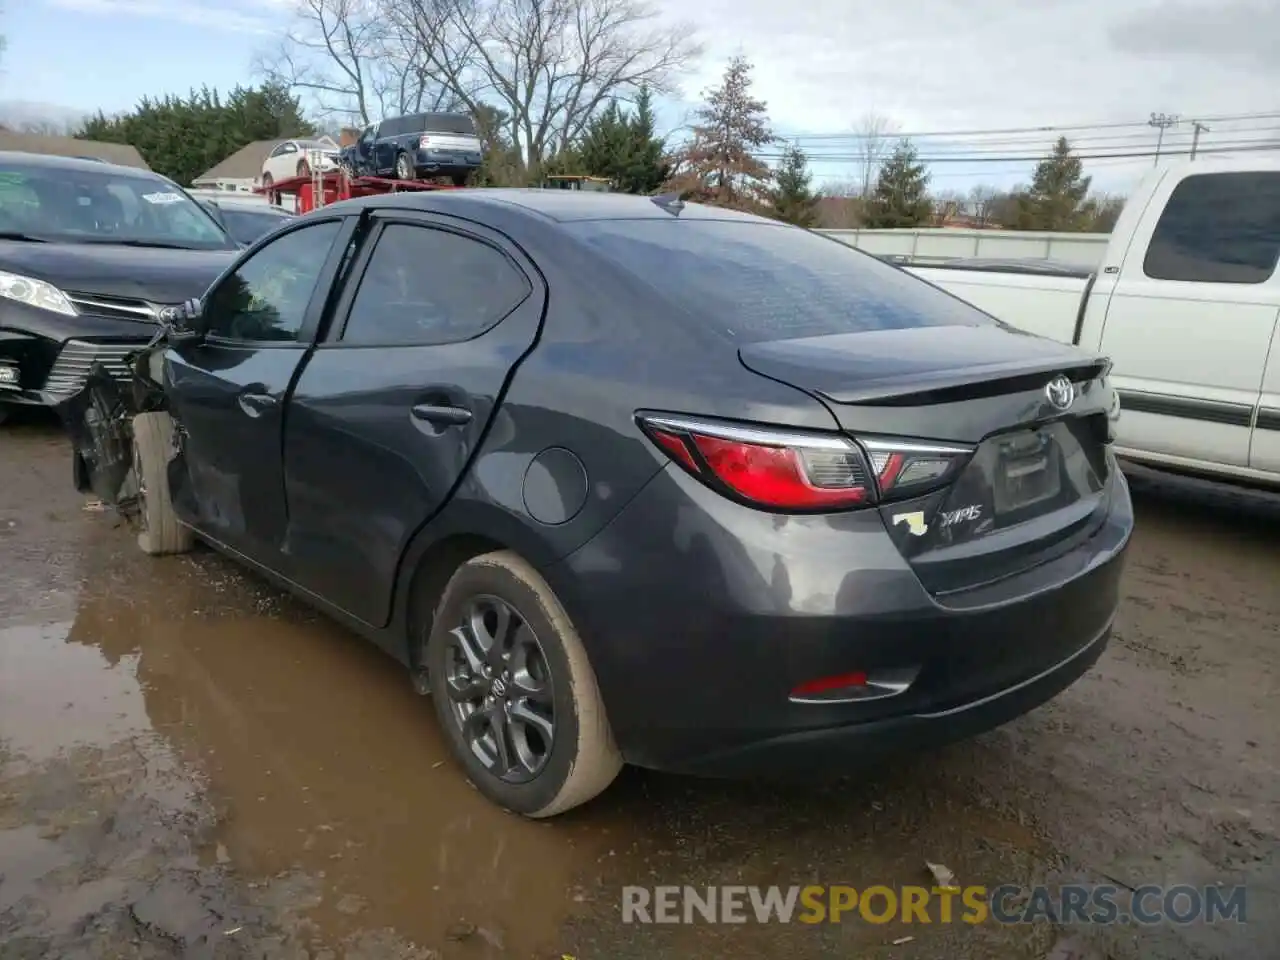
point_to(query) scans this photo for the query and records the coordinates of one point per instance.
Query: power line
(1118, 150)
(1047, 130)
(1244, 147)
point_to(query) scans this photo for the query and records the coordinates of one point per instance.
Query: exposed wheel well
(430, 578)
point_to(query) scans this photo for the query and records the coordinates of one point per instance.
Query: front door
(1190, 316)
(392, 406)
(227, 392)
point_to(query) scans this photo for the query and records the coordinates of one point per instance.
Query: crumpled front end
(99, 420)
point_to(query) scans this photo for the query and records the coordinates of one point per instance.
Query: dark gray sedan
(622, 479)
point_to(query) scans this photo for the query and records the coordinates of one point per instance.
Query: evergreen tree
(793, 199)
(183, 137)
(625, 147)
(901, 196)
(1057, 198)
(719, 166)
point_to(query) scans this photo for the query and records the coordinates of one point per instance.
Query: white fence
(936, 244)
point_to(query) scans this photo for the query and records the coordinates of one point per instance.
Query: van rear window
(760, 281)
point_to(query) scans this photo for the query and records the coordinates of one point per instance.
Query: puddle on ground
(329, 778)
(56, 696)
(321, 759)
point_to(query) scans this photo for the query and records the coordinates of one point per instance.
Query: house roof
(121, 153)
(244, 164)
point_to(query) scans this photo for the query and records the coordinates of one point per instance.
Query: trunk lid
(1036, 482)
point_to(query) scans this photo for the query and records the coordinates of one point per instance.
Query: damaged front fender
(99, 420)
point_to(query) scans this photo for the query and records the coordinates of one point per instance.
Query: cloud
(990, 64)
(227, 16)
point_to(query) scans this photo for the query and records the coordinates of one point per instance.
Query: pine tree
(793, 199)
(647, 167)
(182, 138)
(623, 146)
(901, 196)
(719, 165)
(1057, 198)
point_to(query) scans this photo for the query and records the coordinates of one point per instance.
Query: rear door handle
(442, 416)
(256, 404)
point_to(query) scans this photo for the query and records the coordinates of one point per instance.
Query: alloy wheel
(500, 692)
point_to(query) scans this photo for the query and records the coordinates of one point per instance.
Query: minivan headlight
(35, 293)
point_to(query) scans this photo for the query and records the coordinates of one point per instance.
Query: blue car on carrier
(417, 146)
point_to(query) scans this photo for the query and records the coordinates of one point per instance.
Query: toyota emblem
(1061, 392)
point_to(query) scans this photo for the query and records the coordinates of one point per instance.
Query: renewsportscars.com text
(1071, 903)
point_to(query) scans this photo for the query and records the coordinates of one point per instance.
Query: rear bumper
(701, 617)
(827, 750)
(438, 161)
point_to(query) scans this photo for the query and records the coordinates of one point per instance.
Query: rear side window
(1218, 228)
(758, 281)
(429, 286)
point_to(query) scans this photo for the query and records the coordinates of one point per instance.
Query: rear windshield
(761, 281)
(459, 123)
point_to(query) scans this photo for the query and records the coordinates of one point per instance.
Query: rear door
(392, 406)
(1191, 314)
(227, 392)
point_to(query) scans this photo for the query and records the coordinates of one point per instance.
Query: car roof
(559, 205)
(76, 163)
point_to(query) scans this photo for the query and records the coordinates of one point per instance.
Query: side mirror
(185, 322)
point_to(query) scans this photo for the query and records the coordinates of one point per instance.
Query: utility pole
(1161, 122)
(1197, 128)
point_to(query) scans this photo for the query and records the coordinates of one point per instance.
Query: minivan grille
(118, 308)
(71, 369)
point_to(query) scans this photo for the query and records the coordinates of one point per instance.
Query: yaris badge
(1061, 392)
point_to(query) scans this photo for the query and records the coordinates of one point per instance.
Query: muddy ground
(193, 765)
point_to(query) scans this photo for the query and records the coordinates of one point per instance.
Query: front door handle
(441, 416)
(256, 404)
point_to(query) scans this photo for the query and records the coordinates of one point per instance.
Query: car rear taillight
(424, 142)
(799, 470)
(907, 468)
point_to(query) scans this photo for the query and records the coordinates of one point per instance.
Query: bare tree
(351, 61)
(875, 135)
(549, 65)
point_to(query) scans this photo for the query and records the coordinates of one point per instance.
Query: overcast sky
(820, 64)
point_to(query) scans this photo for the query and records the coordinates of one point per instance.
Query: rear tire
(153, 448)
(404, 168)
(304, 169)
(581, 759)
(460, 179)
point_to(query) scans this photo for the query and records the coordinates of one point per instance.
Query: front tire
(153, 447)
(514, 690)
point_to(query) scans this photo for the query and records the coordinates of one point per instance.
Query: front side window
(1218, 228)
(103, 205)
(428, 286)
(266, 298)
